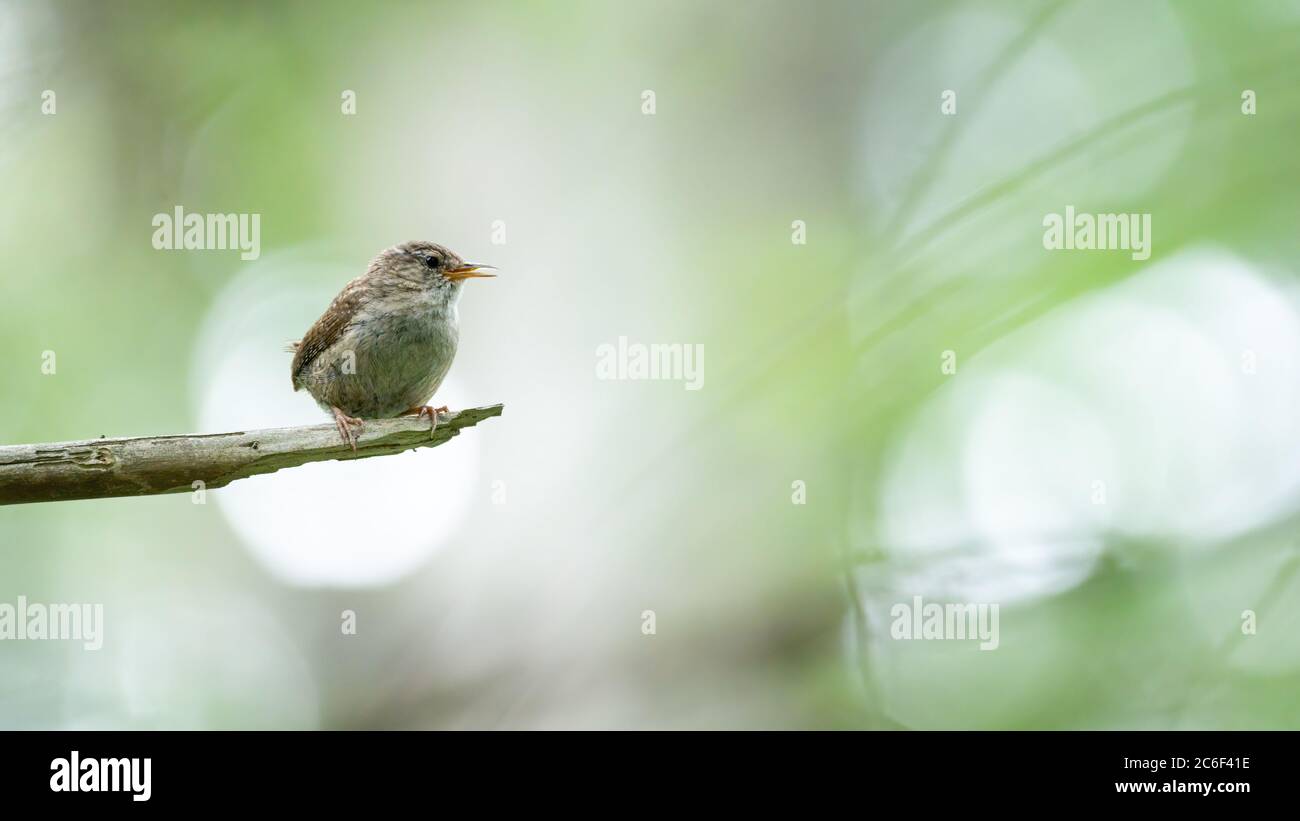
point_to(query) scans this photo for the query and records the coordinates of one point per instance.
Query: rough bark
(149, 465)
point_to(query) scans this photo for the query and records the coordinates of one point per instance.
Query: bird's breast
(401, 359)
(419, 337)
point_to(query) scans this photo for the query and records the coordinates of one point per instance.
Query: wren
(387, 340)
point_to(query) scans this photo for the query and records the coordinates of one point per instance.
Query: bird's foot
(345, 424)
(429, 411)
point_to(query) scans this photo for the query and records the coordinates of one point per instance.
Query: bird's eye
(431, 261)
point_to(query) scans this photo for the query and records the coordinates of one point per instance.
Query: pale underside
(378, 358)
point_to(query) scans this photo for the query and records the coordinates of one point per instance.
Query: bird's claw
(432, 413)
(345, 423)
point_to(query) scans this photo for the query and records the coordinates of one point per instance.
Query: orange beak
(469, 270)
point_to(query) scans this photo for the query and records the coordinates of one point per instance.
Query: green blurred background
(1115, 461)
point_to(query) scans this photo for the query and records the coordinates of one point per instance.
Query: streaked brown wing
(328, 328)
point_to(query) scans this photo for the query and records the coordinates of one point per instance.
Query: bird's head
(428, 266)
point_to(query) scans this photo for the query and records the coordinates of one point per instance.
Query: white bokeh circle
(334, 524)
(1161, 408)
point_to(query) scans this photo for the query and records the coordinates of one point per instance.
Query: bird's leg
(429, 411)
(345, 424)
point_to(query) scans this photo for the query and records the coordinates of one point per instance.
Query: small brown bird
(385, 343)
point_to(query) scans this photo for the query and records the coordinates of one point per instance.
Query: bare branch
(148, 465)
